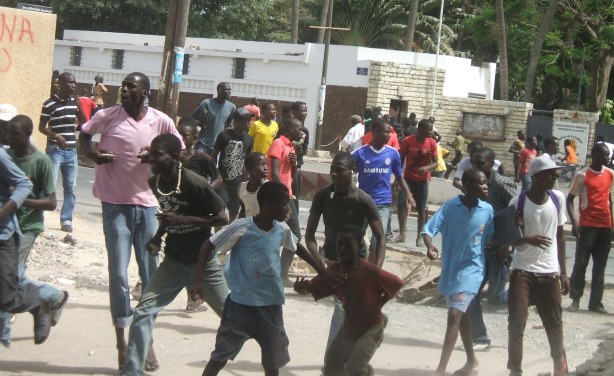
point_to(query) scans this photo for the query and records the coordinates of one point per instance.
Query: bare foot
(467, 368)
(399, 239)
(151, 363)
(122, 355)
(419, 242)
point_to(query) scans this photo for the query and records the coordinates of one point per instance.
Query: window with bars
(75, 56)
(117, 62)
(186, 64)
(238, 67)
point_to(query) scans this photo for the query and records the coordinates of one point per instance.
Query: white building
(272, 71)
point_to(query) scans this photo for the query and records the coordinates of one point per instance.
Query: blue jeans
(336, 322)
(49, 293)
(496, 276)
(65, 161)
(127, 226)
(526, 182)
(384, 214)
(165, 284)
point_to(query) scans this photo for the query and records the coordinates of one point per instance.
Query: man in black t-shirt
(232, 145)
(189, 208)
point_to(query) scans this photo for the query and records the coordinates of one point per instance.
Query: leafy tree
(545, 24)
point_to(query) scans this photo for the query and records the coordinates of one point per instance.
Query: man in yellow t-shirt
(264, 130)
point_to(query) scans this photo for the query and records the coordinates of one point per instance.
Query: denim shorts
(460, 301)
(242, 322)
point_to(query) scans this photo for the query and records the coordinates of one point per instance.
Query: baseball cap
(542, 163)
(7, 112)
(242, 113)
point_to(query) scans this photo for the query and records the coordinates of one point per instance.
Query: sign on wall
(578, 132)
(483, 126)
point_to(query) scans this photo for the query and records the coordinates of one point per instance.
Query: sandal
(151, 365)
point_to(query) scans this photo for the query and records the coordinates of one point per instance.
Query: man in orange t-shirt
(594, 185)
(282, 169)
(527, 155)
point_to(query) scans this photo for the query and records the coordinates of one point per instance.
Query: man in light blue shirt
(465, 223)
(14, 189)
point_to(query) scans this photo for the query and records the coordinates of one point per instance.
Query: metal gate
(539, 122)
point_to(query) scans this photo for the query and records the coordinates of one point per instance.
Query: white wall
(278, 71)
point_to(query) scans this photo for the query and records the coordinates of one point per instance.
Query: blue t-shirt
(375, 168)
(464, 232)
(254, 267)
(217, 113)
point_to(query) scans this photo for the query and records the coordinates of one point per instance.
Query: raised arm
(173, 219)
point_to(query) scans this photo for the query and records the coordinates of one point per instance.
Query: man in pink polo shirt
(282, 169)
(128, 204)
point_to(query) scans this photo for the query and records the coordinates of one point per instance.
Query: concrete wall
(411, 83)
(26, 60)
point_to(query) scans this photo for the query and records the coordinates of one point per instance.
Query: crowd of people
(226, 180)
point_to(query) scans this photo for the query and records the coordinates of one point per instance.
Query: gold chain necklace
(177, 188)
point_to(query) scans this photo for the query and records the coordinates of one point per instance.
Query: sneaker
(599, 309)
(4, 347)
(66, 227)
(481, 346)
(574, 307)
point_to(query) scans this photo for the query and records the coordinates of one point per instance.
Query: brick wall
(413, 84)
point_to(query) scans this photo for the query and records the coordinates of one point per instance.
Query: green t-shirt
(39, 170)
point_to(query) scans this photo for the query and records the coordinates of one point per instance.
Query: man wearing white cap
(7, 112)
(539, 274)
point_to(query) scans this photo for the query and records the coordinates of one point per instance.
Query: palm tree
(537, 49)
(323, 15)
(502, 43)
(411, 24)
(296, 4)
(371, 24)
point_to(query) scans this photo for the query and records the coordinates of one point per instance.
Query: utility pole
(172, 58)
(322, 97)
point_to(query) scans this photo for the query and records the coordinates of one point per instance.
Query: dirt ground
(83, 342)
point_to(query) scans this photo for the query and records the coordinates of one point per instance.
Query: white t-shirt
(465, 164)
(353, 139)
(249, 200)
(540, 220)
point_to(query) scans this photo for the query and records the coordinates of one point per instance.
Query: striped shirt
(61, 115)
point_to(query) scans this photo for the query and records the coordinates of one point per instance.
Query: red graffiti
(8, 24)
(7, 28)
(5, 65)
